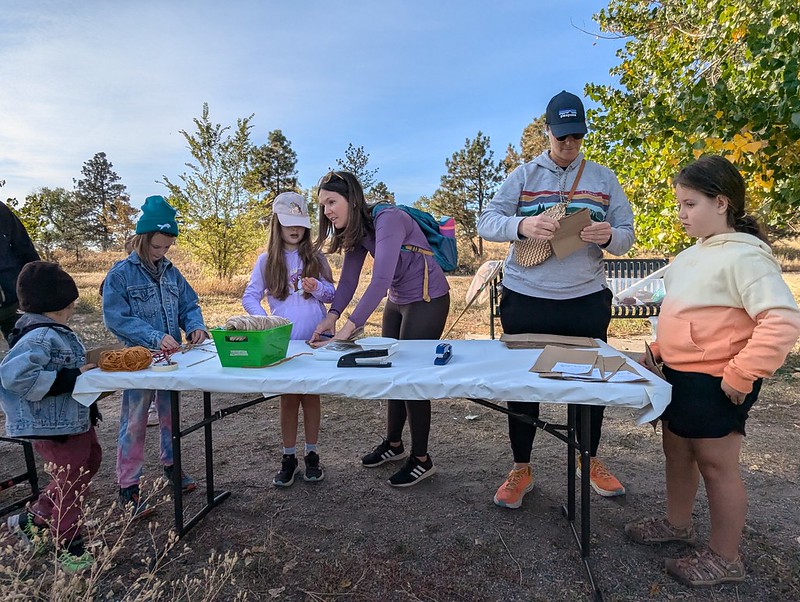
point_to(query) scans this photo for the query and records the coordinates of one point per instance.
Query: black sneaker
(129, 499)
(314, 471)
(413, 472)
(384, 453)
(289, 468)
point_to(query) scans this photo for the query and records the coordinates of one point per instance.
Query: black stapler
(370, 358)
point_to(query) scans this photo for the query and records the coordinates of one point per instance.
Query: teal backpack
(440, 235)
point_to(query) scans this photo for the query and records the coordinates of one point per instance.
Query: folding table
(486, 372)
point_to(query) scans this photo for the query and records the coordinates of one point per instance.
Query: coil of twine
(125, 360)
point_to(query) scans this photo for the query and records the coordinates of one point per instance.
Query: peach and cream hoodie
(727, 311)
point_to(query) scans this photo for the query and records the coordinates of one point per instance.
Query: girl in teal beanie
(147, 302)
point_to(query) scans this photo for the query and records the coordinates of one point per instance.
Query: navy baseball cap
(565, 115)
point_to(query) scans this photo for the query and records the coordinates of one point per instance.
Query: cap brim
(294, 220)
(565, 129)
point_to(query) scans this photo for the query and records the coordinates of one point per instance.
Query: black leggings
(586, 316)
(413, 321)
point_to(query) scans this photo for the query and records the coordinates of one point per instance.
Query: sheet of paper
(623, 376)
(570, 368)
(552, 355)
(567, 239)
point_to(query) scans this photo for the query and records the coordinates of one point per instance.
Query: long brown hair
(276, 276)
(359, 221)
(141, 243)
(713, 175)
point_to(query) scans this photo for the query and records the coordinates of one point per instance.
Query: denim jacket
(28, 373)
(140, 309)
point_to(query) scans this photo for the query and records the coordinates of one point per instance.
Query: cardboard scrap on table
(650, 362)
(567, 239)
(586, 365)
(540, 341)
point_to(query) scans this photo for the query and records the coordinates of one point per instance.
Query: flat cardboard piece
(650, 362)
(540, 341)
(567, 239)
(585, 365)
(93, 355)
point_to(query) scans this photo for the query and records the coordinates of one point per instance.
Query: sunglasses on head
(331, 175)
(574, 136)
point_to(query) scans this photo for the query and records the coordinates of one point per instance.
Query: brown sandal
(705, 567)
(653, 530)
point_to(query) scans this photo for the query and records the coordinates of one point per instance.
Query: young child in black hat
(36, 382)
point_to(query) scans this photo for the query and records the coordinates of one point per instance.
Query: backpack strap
(414, 249)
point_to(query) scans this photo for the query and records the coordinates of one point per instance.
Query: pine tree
(110, 217)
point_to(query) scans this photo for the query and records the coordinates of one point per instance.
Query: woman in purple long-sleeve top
(412, 311)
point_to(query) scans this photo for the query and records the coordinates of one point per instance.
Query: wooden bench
(30, 476)
(622, 271)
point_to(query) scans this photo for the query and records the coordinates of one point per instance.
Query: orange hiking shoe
(603, 482)
(517, 484)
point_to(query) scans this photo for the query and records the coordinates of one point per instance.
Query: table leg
(209, 447)
(177, 490)
(571, 435)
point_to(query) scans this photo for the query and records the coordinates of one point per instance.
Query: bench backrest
(635, 269)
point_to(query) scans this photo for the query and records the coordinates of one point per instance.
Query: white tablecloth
(478, 370)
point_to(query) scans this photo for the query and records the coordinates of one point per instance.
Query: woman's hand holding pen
(324, 331)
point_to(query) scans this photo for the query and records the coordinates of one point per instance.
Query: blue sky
(409, 81)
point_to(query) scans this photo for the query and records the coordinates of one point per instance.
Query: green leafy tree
(55, 218)
(470, 182)
(719, 76)
(110, 214)
(532, 143)
(220, 217)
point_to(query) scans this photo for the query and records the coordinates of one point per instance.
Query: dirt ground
(352, 537)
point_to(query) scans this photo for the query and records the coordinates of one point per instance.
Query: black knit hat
(43, 286)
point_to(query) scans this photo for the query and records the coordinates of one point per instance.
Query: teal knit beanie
(157, 216)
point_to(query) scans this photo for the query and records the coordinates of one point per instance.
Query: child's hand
(87, 367)
(736, 397)
(169, 344)
(309, 284)
(197, 336)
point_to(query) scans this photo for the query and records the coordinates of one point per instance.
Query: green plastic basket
(251, 348)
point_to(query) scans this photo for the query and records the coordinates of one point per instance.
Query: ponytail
(748, 224)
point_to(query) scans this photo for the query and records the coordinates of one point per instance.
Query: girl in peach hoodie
(728, 320)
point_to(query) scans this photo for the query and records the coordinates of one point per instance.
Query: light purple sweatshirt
(304, 313)
(395, 270)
